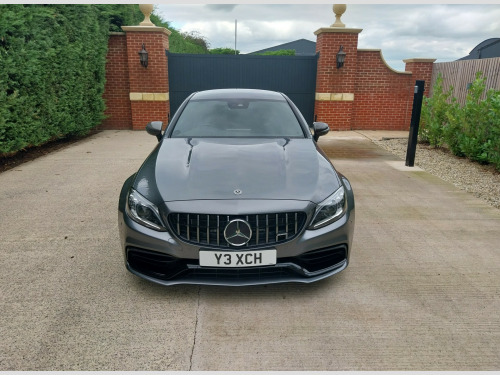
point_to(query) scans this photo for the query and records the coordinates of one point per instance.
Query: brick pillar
(149, 92)
(335, 86)
(421, 69)
(117, 89)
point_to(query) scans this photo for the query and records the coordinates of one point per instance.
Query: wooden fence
(460, 74)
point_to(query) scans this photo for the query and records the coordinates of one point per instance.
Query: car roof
(238, 94)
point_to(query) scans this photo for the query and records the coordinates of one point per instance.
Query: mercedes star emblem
(237, 232)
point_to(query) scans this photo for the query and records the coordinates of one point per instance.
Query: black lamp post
(143, 56)
(340, 57)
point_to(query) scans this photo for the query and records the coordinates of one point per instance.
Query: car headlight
(331, 209)
(143, 211)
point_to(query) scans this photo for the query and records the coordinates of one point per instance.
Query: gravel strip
(482, 181)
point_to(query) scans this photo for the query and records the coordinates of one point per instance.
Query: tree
(224, 51)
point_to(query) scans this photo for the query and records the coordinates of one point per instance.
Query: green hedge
(52, 68)
(281, 52)
(224, 51)
(52, 72)
(471, 130)
(182, 42)
(120, 15)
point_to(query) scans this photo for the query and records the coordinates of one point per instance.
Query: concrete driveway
(422, 291)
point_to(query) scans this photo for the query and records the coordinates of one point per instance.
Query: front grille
(208, 230)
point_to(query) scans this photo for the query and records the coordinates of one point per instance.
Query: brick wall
(364, 94)
(146, 111)
(383, 97)
(154, 77)
(330, 80)
(421, 70)
(117, 89)
(338, 115)
(150, 80)
(136, 95)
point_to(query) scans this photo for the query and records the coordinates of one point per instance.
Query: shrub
(476, 125)
(281, 52)
(52, 72)
(471, 130)
(492, 146)
(192, 42)
(452, 132)
(224, 51)
(120, 15)
(434, 118)
(52, 68)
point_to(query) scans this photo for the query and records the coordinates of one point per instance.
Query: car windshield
(237, 118)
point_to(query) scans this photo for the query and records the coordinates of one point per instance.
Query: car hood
(222, 168)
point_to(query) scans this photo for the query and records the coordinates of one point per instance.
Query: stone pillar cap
(337, 30)
(147, 29)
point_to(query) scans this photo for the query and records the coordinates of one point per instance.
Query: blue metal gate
(295, 76)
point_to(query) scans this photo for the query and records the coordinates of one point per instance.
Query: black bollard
(415, 121)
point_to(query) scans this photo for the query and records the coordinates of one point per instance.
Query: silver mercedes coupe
(236, 192)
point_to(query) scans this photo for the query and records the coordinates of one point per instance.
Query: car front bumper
(166, 270)
(163, 258)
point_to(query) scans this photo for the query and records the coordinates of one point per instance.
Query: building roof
(486, 49)
(302, 47)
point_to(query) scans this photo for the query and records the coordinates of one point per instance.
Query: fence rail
(460, 74)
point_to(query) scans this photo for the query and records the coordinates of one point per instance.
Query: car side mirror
(154, 128)
(320, 128)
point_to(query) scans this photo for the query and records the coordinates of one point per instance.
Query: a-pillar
(335, 86)
(149, 91)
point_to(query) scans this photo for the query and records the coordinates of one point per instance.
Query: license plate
(237, 258)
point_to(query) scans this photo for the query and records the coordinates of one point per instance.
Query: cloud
(221, 7)
(443, 31)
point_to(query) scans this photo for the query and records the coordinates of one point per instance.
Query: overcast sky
(442, 31)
